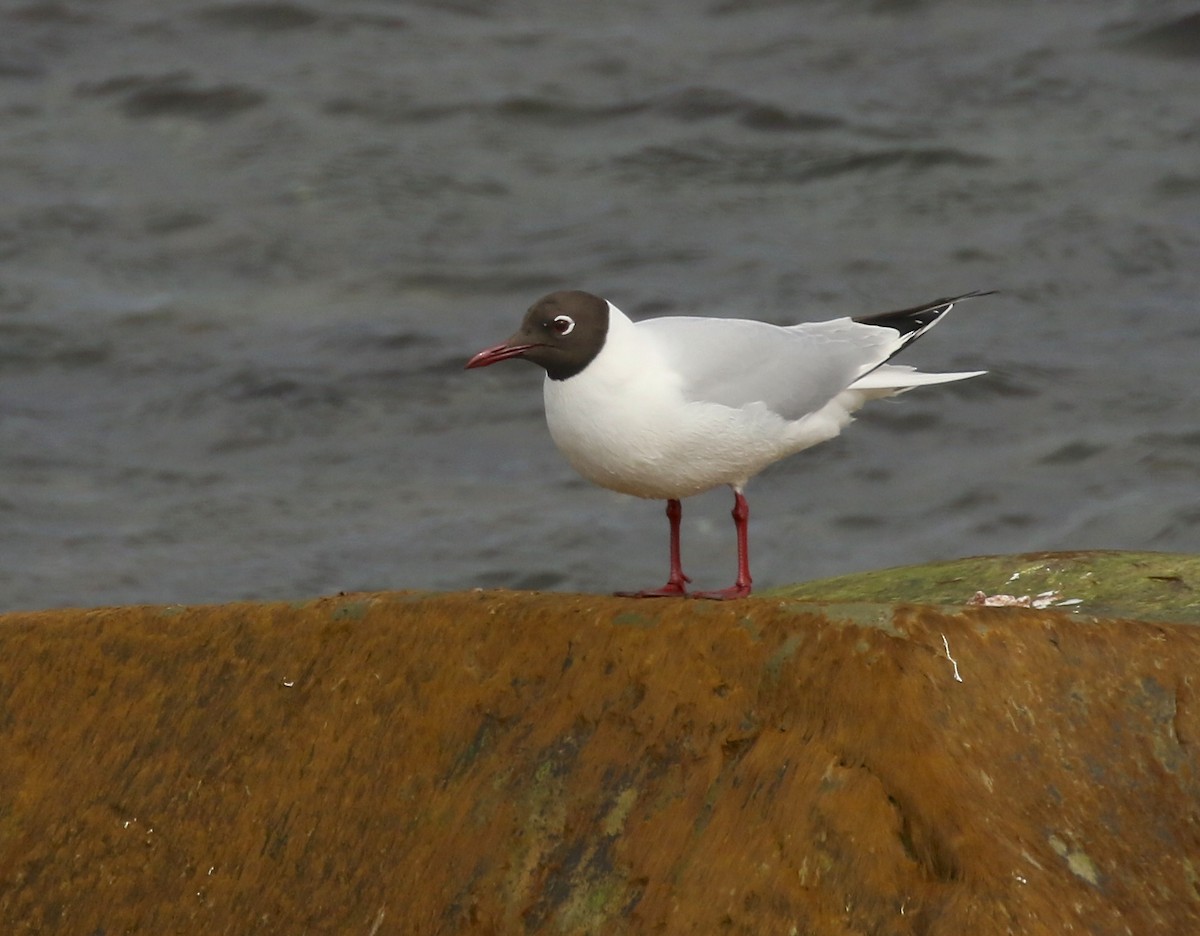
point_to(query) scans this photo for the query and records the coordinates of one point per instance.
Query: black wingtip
(916, 320)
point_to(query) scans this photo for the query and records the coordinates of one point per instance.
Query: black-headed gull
(669, 407)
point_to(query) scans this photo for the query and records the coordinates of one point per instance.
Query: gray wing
(794, 370)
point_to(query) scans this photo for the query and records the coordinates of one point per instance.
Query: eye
(563, 325)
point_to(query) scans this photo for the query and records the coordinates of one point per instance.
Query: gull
(669, 407)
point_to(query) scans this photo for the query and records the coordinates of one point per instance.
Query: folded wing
(795, 370)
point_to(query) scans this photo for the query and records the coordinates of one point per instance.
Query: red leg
(677, 581)
(740, 588)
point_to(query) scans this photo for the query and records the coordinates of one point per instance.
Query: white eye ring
(564, 325)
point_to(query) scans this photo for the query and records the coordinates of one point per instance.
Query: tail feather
(898, 377)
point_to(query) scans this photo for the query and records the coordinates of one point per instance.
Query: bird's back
(793, 370)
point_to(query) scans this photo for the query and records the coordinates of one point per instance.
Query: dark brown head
(562, 332)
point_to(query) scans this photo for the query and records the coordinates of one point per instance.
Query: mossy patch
(1144, 585)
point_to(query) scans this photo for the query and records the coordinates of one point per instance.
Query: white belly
(639, 437)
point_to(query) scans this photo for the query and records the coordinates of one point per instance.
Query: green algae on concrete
(1143, 585)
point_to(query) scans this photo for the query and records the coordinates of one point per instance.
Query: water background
(245, 249)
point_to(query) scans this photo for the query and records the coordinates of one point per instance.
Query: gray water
(245, 249)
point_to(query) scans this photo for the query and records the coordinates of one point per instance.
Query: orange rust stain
(499, 762)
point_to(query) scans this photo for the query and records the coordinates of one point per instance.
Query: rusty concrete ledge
(496, 762)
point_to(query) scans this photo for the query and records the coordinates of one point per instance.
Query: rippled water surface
(245, 249)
